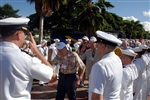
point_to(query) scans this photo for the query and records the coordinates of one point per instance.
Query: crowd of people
(116, 69)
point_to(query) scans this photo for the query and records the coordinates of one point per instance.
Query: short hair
(130, 57)
(144, 50)
(110, 48)
(7, 33)
(148, 50)
(140, 53)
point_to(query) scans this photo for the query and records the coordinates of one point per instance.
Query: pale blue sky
(128, 9)
(123, 8)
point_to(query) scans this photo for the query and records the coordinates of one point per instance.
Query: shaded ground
(48, 92)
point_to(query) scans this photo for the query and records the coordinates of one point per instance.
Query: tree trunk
(90, 31)
(41, 25)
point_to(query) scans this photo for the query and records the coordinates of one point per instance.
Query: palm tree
(89, 15)
(132, 28)
(45, 8)
(8, 11)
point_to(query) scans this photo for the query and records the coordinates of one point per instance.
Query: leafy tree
(45, 8)
(8, 11)
(132, 28)
(89, 16)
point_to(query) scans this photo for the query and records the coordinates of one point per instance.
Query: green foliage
(88, 16)
(8, 11)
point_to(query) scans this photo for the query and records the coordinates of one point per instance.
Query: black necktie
(93, 53)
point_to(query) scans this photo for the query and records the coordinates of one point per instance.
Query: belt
(67, 74)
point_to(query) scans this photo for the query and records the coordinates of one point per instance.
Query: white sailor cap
(60, 45)
(56, 40)
(143, 46)
(129, 52)
(14, 23)
(137, 49)
(108, 39)
(85, 38)
(79, 40)
(93, 39)
(77, 44)
(26, 41)
(125, 42)
(43, 41)
(68, 40)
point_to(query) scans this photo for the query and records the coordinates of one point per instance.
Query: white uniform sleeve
(125, 79)
(97, 80)
(148, 80)
(40, 71)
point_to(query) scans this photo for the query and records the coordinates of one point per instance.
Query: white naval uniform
(130, 73)
(148, 81)
(137, 85)
(28, 50)
(145, 76)
(140, 84)
(44, 51)
(106, 77)
(54, 53)
(17, 72)
(148, 77)
(68, 47)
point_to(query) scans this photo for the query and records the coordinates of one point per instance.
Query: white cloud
(146, 25)
(146, 13)
(130, 18)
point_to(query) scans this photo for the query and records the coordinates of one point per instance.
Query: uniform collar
(127, 65)
(9, 44)
(108, 54)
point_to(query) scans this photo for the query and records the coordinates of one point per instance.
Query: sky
(127, 9)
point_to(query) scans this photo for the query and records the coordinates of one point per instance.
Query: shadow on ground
(48, 92)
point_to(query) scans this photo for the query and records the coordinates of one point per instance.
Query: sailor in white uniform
(148, 83)
(140, 84)
(52, 52)
(68, 42)
(146, 60)
(130, 73)
(148, 76)
(25, 46)
(18, 69)
(44, 49)
(106, 74)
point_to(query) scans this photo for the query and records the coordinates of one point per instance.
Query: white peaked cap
(137, 49)
(143, 46)
(69, 40)
(79, 40)
(56, 40)
(93, 39)
(14, 21)
(44, 41)
(77, 44)
(138, 43)
(129, 52)
(60, 45)
(107, 38)
(26, 41)
(14, 24)
(85, 38)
